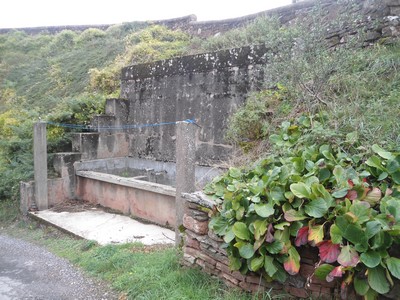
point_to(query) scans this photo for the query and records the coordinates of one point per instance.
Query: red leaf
(292, 262)
(302, 236)
(269, 238)
(352, 195)
(350, 182)
(348, 257)
(328, 252)
(336, 272)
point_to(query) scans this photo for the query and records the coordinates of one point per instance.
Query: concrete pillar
(185, 170)
(40, 165)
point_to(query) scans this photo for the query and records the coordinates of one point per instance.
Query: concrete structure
(40, 164)
(106, 228)
(185, 170)
(206, 87)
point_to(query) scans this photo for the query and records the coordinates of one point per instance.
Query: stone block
(230, 278)
(189, 259)
(251, 287)
(297, 292)
(192, 243)
(194, 225)
(214, 237)
(198, 254)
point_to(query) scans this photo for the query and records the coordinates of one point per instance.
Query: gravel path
(30, 272)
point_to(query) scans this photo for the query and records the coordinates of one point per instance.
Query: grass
(134, 270)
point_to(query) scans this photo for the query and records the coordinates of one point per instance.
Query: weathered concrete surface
(40, 164)
(106, 228)
(206, 87)
(30, 272)
(152, 206)
(96, 145)
(185, 171)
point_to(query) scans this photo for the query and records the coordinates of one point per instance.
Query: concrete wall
(206, 87)
(210, 87)
(143, 204)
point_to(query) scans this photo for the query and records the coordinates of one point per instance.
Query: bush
(314, 194)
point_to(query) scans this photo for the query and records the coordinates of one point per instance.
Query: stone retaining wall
(202, 248)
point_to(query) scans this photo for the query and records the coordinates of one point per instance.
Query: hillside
(65, 77)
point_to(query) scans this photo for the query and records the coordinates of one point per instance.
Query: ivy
(313, 195)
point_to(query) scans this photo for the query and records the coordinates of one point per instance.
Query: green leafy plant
(313, 194)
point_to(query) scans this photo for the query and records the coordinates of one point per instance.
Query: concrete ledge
(129, 182)
(105, 228)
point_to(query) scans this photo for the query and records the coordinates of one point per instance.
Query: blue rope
(93, 128)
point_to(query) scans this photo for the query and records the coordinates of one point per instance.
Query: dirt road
(30, 272)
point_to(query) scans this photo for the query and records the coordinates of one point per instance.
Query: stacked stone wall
(203, 249)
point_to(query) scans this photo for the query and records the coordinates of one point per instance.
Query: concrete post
(40, 165)
(185, 170)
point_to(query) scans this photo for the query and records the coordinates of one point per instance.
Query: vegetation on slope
(65, 78)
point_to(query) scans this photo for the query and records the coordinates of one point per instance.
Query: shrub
(345, 203)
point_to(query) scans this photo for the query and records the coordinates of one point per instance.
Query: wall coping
(199, 198)
(129, 182)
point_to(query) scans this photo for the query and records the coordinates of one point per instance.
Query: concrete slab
(106, 228)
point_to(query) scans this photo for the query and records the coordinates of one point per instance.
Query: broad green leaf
(255, 199)
(316, 234)
(239, 213)
(340, 193)
(383, 176)
(381, 152)
(229, 236)
(234, 263)
(257, 263)
(282, 225)
(393, 265)
(246, 251)
(300, 190)
(295, 227)
(361, 286)
(371, 258)
(352, 233)
(336, 234)
(241, 231)
(235, 173)
(371, 295)
(393, 165)
(382, 240)
(339, 174)
(377, 280)
(294, 215)
(264, 210)
(375, 162)
(219, 225)
(292, 262)
(277, 194)
(323, 270)
(320, 192)
(328, 155)
(280, 274)
(324, 174)
(396, 177)
(260, 227)
(361, 211)
(316, 208)
(275, 247)
(372, 228)
(269, 266)
(348, 257)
